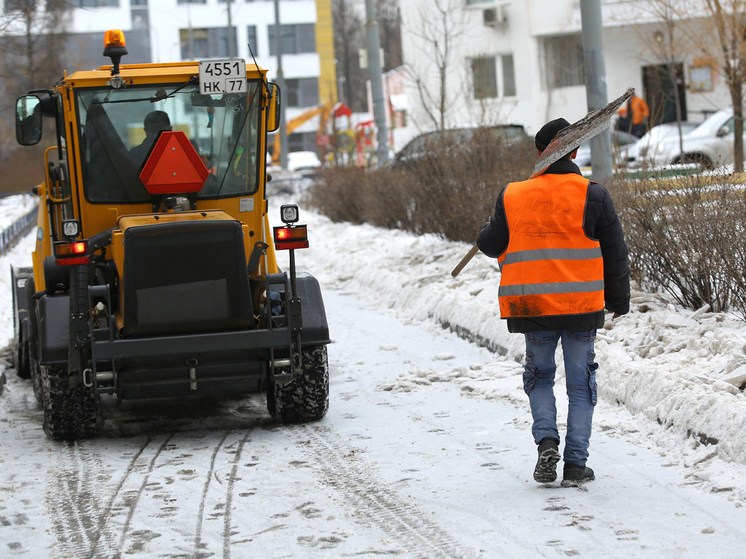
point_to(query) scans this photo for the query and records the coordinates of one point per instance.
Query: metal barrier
(10, 236)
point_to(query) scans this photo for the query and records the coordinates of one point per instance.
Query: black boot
(546, 465)
(574, 475)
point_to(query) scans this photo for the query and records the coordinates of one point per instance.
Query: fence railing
(10, 236)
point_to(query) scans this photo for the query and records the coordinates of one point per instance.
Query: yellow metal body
(250, 210)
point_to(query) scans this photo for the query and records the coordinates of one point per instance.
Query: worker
(154, 123)
(563, 258)
(633, 116)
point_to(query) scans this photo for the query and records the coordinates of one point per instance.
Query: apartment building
(175, 30)
(521, 61)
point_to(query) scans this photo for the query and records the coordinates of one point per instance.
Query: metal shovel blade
(570, 138)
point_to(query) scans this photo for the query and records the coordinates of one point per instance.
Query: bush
(449, 192)
(685, 236)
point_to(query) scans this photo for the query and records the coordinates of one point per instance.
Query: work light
(70, 228)
(289, 213)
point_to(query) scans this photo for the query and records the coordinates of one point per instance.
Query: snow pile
(681, 368)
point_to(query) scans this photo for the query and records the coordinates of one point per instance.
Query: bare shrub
(448, 190)
(336, 194)
(684, 236)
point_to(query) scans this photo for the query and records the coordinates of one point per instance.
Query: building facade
(176, 30)
(521, 61)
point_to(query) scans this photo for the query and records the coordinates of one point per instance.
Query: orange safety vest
(550, 267)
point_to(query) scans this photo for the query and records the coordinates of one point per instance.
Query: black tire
(20, 341)
(69, 413)
(21, 358)
(36, 380)
(305, 398)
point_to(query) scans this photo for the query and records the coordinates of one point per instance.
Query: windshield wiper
(160, 95)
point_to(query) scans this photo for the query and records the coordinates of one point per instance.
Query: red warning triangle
(174, 166)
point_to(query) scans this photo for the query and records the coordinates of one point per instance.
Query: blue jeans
(580, 373)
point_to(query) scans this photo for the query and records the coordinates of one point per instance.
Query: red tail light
(288, 237)
(70, 254)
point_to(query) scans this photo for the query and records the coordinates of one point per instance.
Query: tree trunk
(736, 95)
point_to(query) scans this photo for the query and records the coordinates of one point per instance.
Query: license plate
(222, 76)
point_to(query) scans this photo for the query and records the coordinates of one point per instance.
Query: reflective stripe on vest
(550, 267)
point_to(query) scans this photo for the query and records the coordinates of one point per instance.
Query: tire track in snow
(69, 504)
(131, 504)
(86, 529)
(377, 503)
(229, 497)
(205, 491)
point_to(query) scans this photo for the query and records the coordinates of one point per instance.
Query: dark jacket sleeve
(602, 223)
(493, 238)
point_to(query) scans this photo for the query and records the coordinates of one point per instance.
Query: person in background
(633, 116)
(563, 259)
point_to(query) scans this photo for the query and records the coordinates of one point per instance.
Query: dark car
(455, 139)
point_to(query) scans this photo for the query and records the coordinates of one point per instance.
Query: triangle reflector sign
(174, 166)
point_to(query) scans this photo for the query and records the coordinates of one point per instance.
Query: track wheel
(305, 398)
(69, 413)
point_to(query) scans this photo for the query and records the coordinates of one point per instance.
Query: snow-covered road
(431, 469)
(425, 452)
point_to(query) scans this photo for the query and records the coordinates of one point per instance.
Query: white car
(710, 144)
(304, 162)
(621, 143)
(638, 153)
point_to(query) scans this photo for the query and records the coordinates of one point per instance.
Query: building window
(191, 1)
(251, 34)
(493, 76)
(95, 3)
(508, 75)
(295, 39)
(564, 61)
(207, 43)
(301, 92)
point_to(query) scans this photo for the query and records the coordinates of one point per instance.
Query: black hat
(547, 133)
(157, 120)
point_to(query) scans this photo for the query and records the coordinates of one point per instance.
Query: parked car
(621, 143)
(710, 144)
(637, 155)
(306, 163)
(455, 138)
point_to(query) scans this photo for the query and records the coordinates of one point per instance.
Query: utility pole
(376, 80)
(281, 84)
(229, 34)
(595, 87)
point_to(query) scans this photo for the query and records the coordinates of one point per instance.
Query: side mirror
(28, 120)
(724, 131)
(273, 115)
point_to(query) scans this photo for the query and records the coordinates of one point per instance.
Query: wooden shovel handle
(465, 260)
